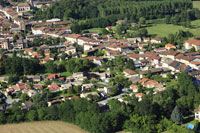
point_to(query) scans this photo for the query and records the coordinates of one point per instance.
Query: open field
(196, 4)
(41, 127)
(162, 30)
(98, 30)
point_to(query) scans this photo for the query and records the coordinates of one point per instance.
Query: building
(192, 43)
(23, 7)
(197, 114)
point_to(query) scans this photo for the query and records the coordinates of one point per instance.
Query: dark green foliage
(102, 13)
(20, 66)
(78, 65)
(186, 84)
(176, 116)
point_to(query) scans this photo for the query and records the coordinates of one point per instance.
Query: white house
(197, 114)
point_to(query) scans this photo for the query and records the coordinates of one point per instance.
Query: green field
(41, 127)
(98, 30)
(66, 74)
(163, 30)
(196, 4)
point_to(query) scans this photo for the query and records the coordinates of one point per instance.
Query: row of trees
(102, 13)
(84, 9)
(19, 66)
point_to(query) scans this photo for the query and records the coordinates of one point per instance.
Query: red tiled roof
(194, 42)
(130, 72)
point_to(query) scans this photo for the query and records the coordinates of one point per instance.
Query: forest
(89, 13)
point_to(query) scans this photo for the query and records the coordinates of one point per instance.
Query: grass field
(162, 30)
(196, 4)
(98, 30)
(41, 127)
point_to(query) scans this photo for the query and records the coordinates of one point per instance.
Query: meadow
(196, 4)
(41, 127)
(163, 30)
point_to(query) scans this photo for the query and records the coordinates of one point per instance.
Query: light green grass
(196, 4)
(65, 74)
(163, 30)
(98, 30)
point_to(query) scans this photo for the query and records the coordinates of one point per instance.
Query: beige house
(197, 114)
(23, 7)
(192, 43)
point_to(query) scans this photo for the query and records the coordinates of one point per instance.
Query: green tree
(176, 116)
(32, 115)
(51, 67)
(142, 20)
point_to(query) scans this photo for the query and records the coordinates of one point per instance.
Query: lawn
(196, 4)
(41, 127)
(98, 30)
(163, 30)
(66, 74)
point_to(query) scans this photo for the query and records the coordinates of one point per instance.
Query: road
(104, 102)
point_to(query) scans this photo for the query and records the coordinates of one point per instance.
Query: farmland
(41, 127)
(162, 30)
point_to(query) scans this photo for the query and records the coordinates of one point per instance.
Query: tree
(176, 116)
(143, 32)
(32, 115)
(142, 20)
(51, 67)
(167, 19)
(186, 84)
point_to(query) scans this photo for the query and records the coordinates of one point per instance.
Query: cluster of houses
(157, 61)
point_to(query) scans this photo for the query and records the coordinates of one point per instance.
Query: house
(139, 96)
(130, 73)
(156, 40)
(88, 46)
(197, 114)
(47, 58)
(53, 76)
(18, 87)
(134, 88)
(4, 79)
(86, 87)
(61, 23)
(54, 102)
(28, 51)
(170, 46)
(27, 105)
(40, 30)
(38, 86)
(168, 54)
(29, 92)
(23, 7)
(83, 40)
(21, 43)
(41, 4)
(73, 38)
(85, 95)
(188, 44)
(65, 86)
(36, 54)
(70, 50)
(53, 87)
(70, 98)
(120, 21)
(108, 28)
(35, 78)
(78, 76)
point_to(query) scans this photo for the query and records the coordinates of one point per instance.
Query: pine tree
(176, 116)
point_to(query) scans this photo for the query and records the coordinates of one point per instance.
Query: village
(18, 32)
